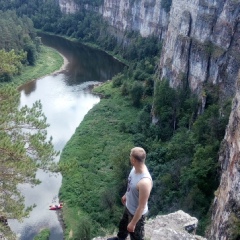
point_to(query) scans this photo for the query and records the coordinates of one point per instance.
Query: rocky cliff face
(202, 44)
(226, 207)
(145, 16)
(68, 6)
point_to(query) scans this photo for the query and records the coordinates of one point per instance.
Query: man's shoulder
(145, 182)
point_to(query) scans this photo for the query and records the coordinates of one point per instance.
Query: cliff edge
(178, 225)
(226, 206)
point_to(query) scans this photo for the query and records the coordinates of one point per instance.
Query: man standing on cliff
(135, 198)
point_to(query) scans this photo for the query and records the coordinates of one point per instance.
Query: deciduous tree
(10, 64)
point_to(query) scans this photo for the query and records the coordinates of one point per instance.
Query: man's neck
(140, 168)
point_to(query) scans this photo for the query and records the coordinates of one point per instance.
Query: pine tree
(24, 147)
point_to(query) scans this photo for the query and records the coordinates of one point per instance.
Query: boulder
(174, 226)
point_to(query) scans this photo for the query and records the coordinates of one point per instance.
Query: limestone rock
(145, 16)
(202, 45)
(226, 207)
(172, 226)
(68, 6)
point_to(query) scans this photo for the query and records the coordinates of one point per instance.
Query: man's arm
(144, 188)
(123, 199)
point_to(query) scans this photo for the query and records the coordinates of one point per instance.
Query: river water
(66, 99)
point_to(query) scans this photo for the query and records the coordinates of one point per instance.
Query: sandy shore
(63, 67)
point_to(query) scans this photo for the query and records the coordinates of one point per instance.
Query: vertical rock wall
(226, 207)
(202, 44)
(145, 16)
(68, 6)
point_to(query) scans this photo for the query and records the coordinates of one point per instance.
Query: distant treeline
(18, 44)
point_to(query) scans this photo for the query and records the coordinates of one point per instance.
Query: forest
(19, 44)
(182, 145)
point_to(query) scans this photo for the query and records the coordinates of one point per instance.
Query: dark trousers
(138, 233)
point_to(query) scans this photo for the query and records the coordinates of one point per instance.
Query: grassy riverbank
(93, 164)
(48, 62)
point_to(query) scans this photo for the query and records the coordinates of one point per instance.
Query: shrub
(136, 93)
(43, 235)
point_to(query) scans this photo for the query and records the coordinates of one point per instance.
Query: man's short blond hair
(138, 153)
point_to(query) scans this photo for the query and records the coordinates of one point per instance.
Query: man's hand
(131, 227)
(123, 199)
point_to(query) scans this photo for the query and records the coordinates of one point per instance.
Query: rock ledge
(178, 225)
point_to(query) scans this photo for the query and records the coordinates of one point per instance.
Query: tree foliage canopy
(10, 64)
(18, 43)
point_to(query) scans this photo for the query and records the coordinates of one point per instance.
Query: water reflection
(42, 195)
(86, 64)
(28, 88)
(65, 99)
(65, 107)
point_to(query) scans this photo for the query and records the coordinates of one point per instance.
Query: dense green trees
(136, 93)
(182, 145)
(18, 43)
(10, 64)
(185, 164)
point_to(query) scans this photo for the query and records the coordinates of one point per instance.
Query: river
(66, 99)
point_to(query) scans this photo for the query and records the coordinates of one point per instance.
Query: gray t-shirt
(132, 194)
